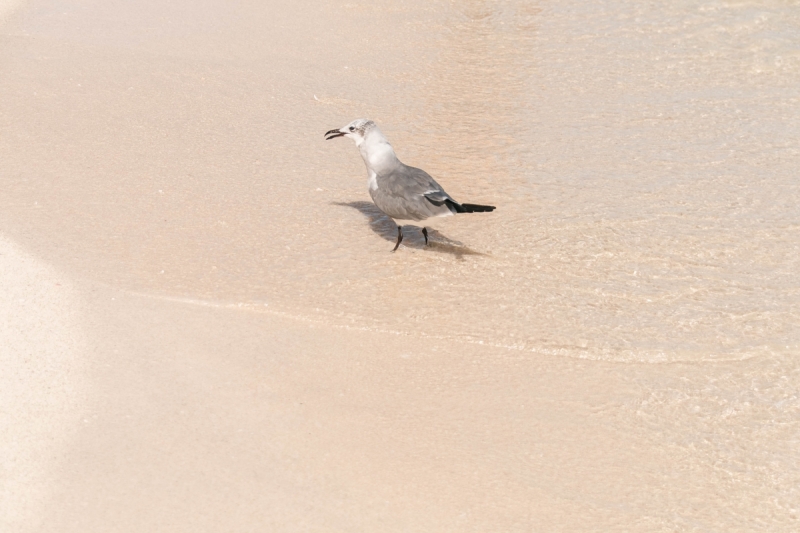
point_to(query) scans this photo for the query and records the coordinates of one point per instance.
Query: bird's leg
(425, 234)
(399, 237)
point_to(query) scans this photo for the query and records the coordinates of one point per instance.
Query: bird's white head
(375, 149)
(358, 130)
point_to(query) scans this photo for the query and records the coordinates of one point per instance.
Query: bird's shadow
(385, 227)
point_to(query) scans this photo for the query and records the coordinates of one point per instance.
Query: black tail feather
(456, 207)
(475, 208)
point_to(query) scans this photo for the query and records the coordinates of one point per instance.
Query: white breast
(372, 181)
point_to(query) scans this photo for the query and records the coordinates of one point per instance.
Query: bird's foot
(399, 237)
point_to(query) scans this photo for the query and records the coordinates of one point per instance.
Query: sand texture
(203, 328)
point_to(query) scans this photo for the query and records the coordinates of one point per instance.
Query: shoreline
(177, 400)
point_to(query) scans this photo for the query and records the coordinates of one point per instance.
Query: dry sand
(44, 382)
(203, 330)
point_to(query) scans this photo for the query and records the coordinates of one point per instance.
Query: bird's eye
(352, 128)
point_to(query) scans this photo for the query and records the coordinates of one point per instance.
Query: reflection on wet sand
(384, 226)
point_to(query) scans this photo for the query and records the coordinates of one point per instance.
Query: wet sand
(221, 340)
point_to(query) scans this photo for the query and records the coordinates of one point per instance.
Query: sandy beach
(203, 328)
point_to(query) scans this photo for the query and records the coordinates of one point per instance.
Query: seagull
(401, 192)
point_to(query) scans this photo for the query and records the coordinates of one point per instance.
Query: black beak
(333, 134)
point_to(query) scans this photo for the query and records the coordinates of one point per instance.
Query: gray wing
(409, 193)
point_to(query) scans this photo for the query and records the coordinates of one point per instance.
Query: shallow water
(642, 158)
(647, 203)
